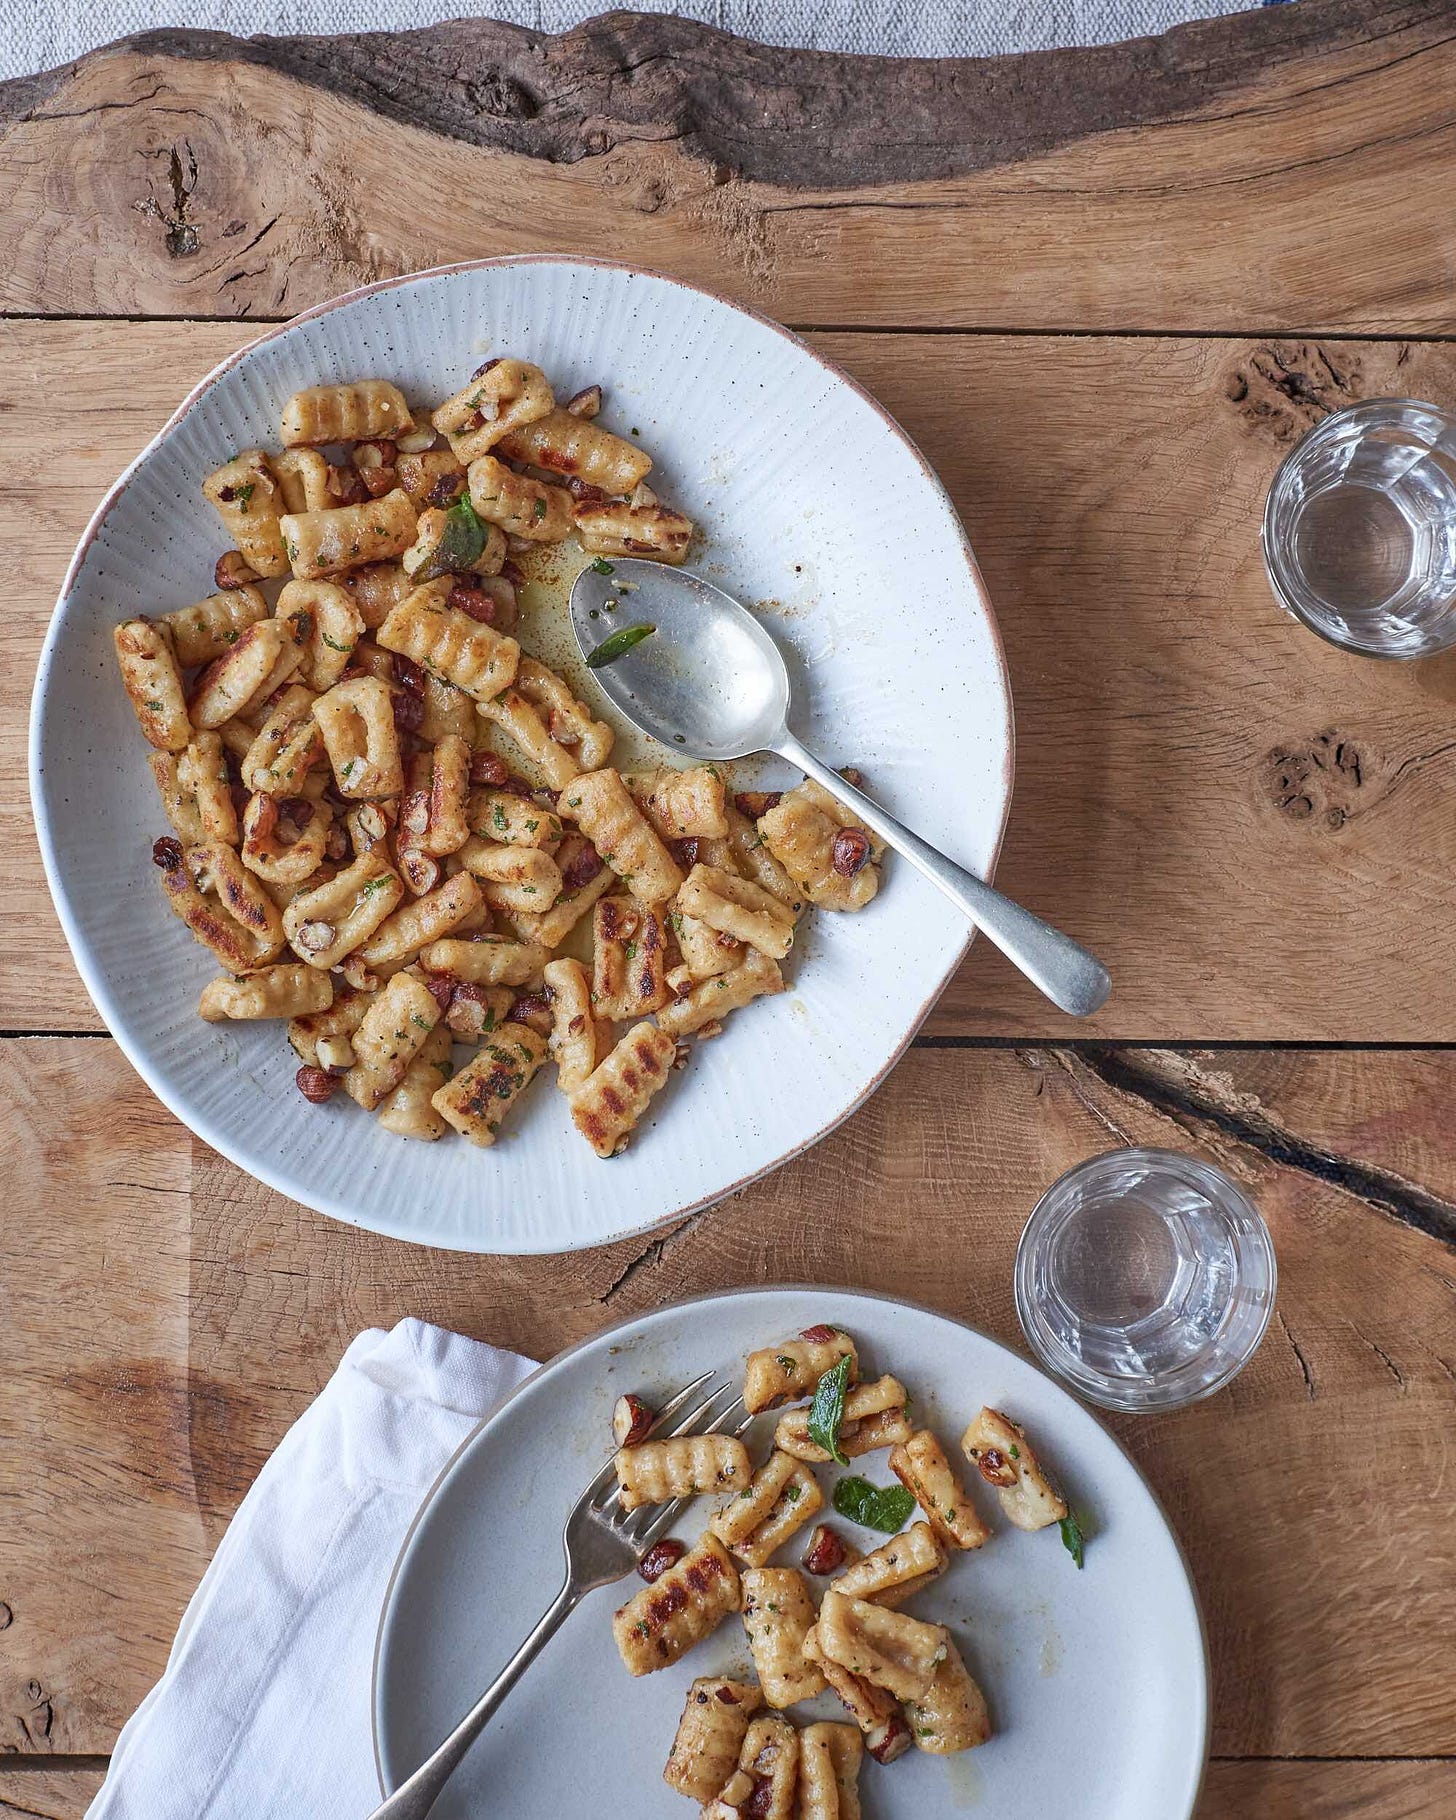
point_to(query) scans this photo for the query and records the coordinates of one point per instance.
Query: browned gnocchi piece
(922, 1468)
(450, 645)
(249, 502)
(791, 1370)
(640, 526)
(520, 506)
(563, 443)
(627, 959)
(665, 1620)
(1001, 1453)
(476, 1100)
(710, 1733)
(152, 680)
(209, 628)
(364, 409)
(502, 396)
(323, 543)
(609, 1104)
(280, 991)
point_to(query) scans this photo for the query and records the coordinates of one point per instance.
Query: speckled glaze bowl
(811, 502)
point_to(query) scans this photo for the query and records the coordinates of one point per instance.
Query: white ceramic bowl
(812, 503)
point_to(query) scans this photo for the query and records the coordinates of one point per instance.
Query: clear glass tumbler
(1145, 1279)
(1360, 529)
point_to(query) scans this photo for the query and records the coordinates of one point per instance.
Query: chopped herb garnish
(1014, 1451)
(334, 645)
(827, 1411)
(538, 511)
(601, 566)
(1073, 1540)
(876, 1507)
(617, 645)
(371, 885)
(243, 494)
(792, 1493)
(419, 1022)
(786, 1364)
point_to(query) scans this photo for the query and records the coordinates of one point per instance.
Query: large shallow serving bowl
(812, 503)
(1097, 1681)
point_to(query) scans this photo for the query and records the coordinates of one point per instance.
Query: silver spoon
(711, 684)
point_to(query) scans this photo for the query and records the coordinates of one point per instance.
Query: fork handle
(413, 1799)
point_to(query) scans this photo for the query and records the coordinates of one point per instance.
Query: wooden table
(1104, 290)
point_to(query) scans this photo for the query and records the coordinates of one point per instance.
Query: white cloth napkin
(264, 1706)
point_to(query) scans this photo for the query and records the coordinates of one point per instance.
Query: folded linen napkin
(264, 1704)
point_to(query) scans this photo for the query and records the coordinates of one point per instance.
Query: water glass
(1360, 529)
(1145, 1279)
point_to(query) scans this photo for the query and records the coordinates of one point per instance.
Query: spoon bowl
(708, 682)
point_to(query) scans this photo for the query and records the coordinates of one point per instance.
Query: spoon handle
(1066, 972)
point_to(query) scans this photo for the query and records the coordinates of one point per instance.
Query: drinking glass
(1145, 1279)
(1360, 529)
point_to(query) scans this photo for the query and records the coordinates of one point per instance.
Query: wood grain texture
(1211, 797)
(1329, 1791)
(1285, 168)
(38, 1793)
(227, 1308)
(1395, 1790)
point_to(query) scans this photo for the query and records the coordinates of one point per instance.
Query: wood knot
(502, 97)
(180, 236)
(1283, 388)
(1317, 781)
(7, 1617)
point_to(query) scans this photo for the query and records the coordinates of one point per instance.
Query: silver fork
(602, 1543)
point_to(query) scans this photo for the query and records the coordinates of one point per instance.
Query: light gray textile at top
(38, 34)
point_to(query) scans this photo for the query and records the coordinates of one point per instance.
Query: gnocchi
(335, 733)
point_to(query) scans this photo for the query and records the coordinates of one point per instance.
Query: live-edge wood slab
(1283, 170)
(1253, 828)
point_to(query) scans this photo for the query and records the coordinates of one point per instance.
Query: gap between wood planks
(1184, 1091)
(969, 331)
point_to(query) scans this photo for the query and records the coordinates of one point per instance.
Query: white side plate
(1097, 1681)
(812, 503)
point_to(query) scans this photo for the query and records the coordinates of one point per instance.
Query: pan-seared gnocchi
(379, 802)
(715, 1720)
(901, 1679)
(1001, 1453)
(686, 1466)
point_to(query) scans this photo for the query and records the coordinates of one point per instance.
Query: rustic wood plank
(104, 1538)
(1392, 1790)
(226, 1309)
(1283, 168)
(37, 1793)
(1329, 1791)
(1206, 793)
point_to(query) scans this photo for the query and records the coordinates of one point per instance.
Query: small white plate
(813, 504)
(1097, 1681)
